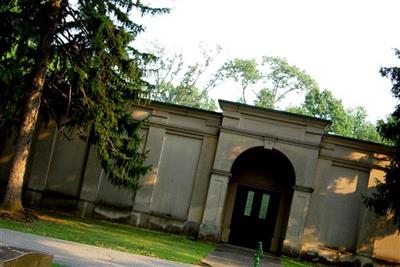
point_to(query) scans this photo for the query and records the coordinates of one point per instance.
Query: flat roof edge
(364, 142)
(280, 112)
(154, 102)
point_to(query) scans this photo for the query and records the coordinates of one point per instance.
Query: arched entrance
(259, 198)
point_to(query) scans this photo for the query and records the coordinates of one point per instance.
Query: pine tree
(75, 62)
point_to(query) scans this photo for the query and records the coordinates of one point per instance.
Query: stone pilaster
(154, 144)
(213, 213)
(91, 183)
(298, 214)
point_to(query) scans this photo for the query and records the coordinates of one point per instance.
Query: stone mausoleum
(240, 176)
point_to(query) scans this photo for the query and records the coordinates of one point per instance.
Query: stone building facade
(242, 175)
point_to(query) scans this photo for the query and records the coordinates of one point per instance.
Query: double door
(254, 217)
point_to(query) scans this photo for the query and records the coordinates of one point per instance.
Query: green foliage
(265, 98)
(187, 95)
(278, 79)
(386, 201)
(325, 106)
(245, 72)
(281, 79)
(177, 83)
(274, 75)
(94, 79)
(362, 129)
(17, 49)
(345, 122)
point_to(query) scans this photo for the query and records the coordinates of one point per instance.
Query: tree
(245, 72)
(362, 129)
(74, 61)
(281, 79)
(274, 78)
(325, 106)
(184, 94)
(175, 82)
(345, 122)
(385, 200)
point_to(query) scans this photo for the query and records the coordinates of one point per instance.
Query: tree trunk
(13, 197)
(244, 94)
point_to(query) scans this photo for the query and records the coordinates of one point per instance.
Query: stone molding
(275, 138)
(221, 172)
(303, 188)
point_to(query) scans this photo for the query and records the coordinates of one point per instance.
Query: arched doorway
(259, 198)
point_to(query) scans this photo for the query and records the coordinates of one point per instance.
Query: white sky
(341, 43)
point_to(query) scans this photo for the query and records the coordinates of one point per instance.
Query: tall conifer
(73, 60)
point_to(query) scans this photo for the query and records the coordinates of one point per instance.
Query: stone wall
(188, 190)
(67, 173)
(338, 219)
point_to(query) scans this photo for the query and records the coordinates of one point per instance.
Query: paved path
(75, 254)
(225, 255)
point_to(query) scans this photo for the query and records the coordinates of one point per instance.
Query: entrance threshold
(231, 255)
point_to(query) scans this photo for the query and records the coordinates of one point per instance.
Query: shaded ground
(228, 255)
(76, 255)
(26, 216)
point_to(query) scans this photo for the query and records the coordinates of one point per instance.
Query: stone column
(201, 182)
(297, 218)
(213, 212)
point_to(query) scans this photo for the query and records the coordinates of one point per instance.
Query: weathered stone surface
(209, 232)
(191, 229)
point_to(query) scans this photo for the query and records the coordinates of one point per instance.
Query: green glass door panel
(264, 206)
(249, 203)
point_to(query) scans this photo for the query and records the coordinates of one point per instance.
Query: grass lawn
(115, 236)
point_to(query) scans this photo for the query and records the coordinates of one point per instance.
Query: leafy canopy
(281, 79)
(94, 78)
(345, 122)
(245, 72)
(178, 83)
(271, 80)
